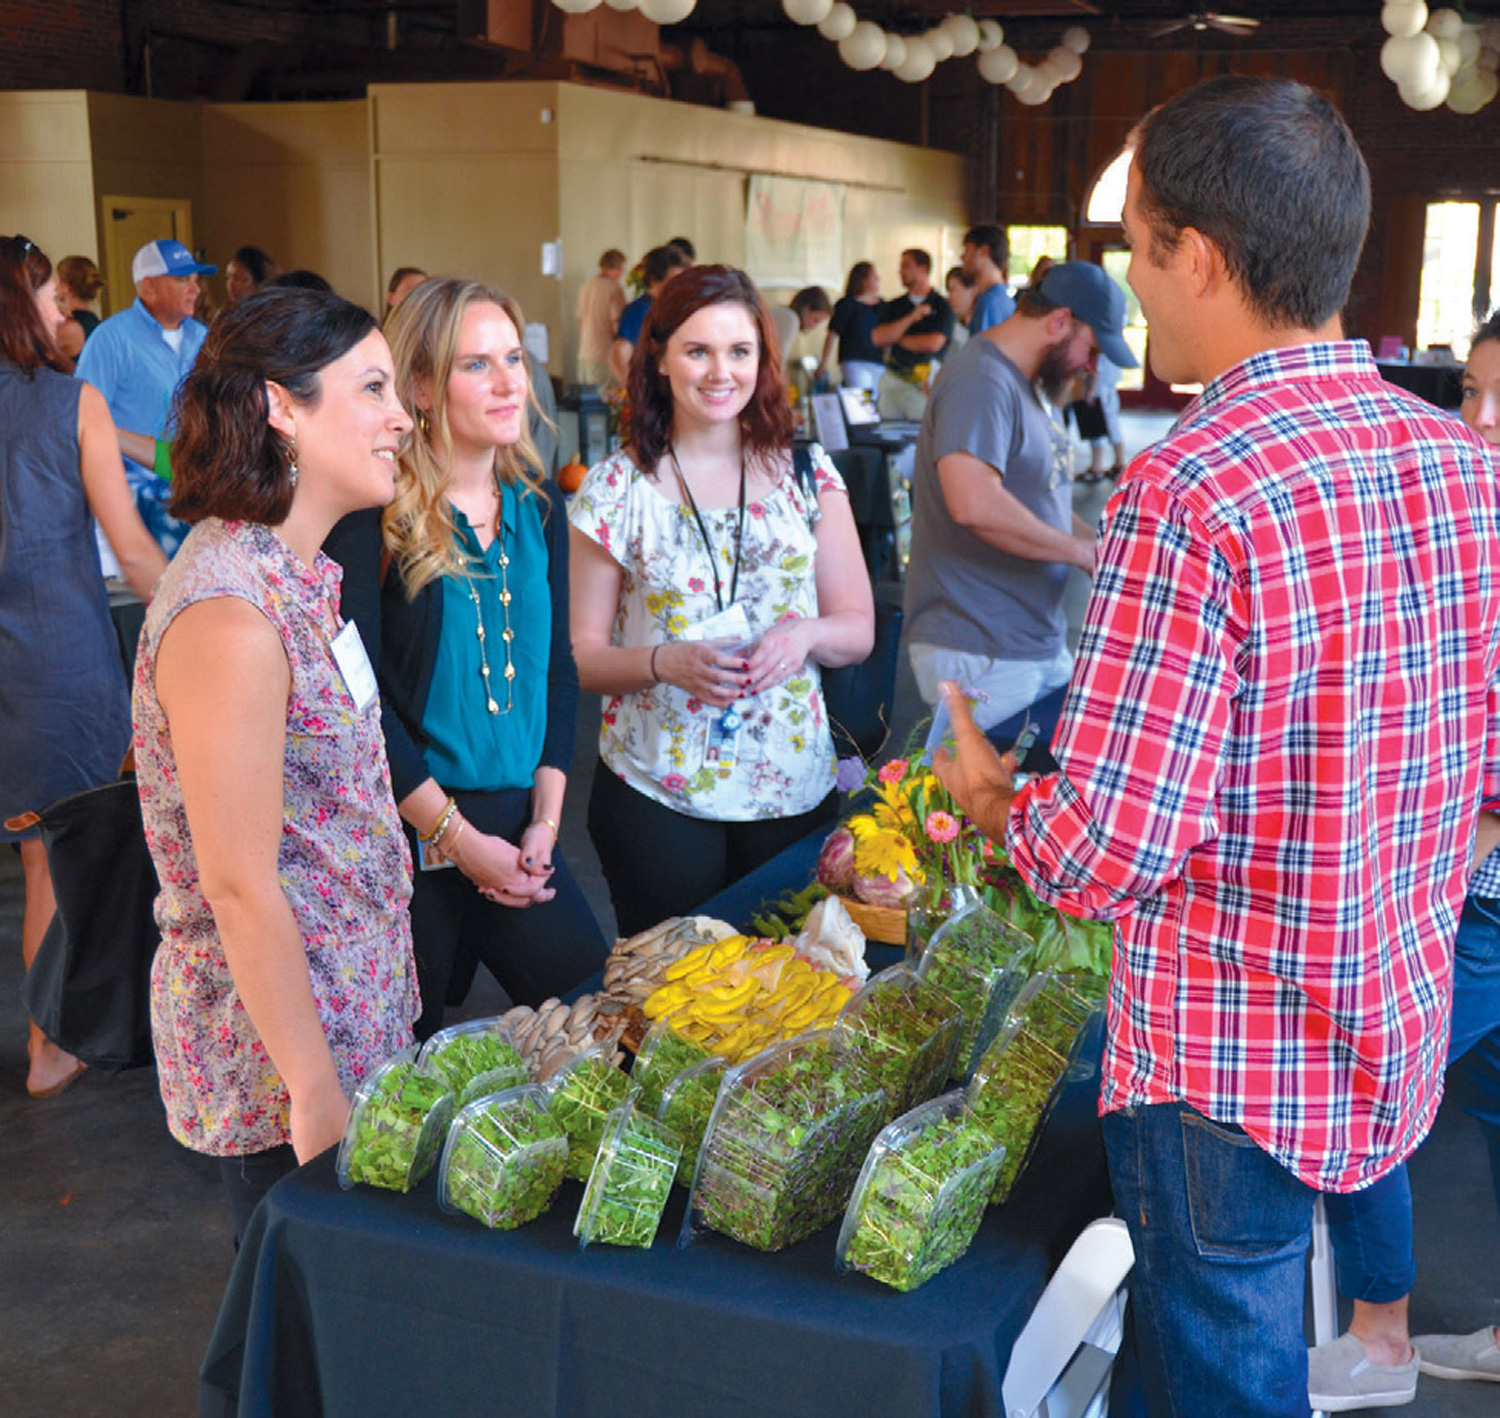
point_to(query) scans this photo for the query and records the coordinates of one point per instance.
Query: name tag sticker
(359, 677)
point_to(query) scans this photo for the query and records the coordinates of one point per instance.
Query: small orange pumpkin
(571, 475)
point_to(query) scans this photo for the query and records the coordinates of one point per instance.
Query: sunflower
(882, 849)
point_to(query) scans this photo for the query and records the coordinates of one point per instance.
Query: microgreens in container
(903, 1032)
(503, 1160)
(396, 1125)
(664, 1053)
(580, 1097)
(921, 1194)
(630, 1181)
(687, 1103)
(784, 1144)
(474, 1059)
(979, 962)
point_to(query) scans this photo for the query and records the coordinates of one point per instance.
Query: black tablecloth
(352, 1304)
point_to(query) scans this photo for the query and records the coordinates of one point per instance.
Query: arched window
(1106, 202)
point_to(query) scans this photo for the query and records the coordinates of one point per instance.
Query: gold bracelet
(452, 847)
(429, 838)
(548, 822)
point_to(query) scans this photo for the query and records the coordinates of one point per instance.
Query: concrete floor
(114, 1246)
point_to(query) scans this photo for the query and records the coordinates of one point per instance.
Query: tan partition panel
(46, 172)
(293, 179)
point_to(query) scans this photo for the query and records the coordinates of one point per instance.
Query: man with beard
(993, 529)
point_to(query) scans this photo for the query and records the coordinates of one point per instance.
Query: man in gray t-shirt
(993, 529)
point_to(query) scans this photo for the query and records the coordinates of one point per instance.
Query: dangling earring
(424, 423)
(291, 465)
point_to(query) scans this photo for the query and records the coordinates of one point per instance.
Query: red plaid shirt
(1284, 714)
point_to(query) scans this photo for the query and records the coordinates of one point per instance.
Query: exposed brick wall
(61, 44)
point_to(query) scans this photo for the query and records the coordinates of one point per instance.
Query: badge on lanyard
(354, 665)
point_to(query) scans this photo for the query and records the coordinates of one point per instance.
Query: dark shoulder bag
(858, 698)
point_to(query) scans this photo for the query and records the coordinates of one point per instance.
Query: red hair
(24, 341)
(765, 422)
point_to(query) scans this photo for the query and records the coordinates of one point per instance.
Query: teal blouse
(469, 748)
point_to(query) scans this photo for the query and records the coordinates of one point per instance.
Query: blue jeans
(1220, 1231)
(1370, 1230)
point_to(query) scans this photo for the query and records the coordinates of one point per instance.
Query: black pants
(534, 951)
(247, 1179)
(662, 863)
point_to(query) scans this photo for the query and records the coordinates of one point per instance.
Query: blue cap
(1088, 291)
(167, 258)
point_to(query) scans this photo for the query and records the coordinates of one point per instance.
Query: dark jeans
(1220, 1231)
(1371, 1230)
(661, 863)
(247, 1179)
(535, 951)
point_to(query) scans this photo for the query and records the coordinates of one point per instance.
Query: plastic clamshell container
(396, 1125)
(474, 1059)
(921, 1194)
(580, 1096)
(1058, 1015)
(1013, 1092)
(687, 1103)
(664, 1053)
(503, 1160)
(1091, 993)
(784, 1144)
(630, 1181)
(904, 1032)
(980, 960)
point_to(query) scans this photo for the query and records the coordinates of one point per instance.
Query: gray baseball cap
(1088, 291)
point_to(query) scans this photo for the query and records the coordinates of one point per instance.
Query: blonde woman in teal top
(460, 590)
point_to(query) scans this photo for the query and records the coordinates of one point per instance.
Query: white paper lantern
(1450, 58)
(807, 12)
(839, 22)
(1036, 95)
(620, 4)
(864, 46)
(576, 7)
(895, 52)
(667, 12)
(1409, 59)
(963, 30)
(998, 65)
(1023, 79)
(1468, 45)
(1466, 92)
(919, 62)
(1076, 38)
(940, 42)
(1065, 63)
(1403, 17)
(1444, 23)
(991, 35)
(1425, 96)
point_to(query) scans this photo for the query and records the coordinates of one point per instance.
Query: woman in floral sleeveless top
(708, 589)
(285, 971)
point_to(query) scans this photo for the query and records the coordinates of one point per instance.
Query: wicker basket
(886, 924)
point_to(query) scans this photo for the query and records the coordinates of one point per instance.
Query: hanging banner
(794, 232)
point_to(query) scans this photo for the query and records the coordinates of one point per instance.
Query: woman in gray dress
(63, 698)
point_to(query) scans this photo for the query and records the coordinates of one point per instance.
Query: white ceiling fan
(1201, 20)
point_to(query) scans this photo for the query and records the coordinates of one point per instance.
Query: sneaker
(1460, 1356)
(1340, 1378)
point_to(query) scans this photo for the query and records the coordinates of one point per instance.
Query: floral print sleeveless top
(659, 740)
(343, 860)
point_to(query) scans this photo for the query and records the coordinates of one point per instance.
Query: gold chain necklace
(507, 635)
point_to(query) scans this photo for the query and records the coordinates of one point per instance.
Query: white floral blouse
(661, 740)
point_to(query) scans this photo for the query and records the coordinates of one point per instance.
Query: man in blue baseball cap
(138, 357)
(993, 529)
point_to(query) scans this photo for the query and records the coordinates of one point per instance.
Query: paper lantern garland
(1439, 57)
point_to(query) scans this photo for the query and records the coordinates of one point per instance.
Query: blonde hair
(423, 333)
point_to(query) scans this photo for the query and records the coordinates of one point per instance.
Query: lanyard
(739, 536)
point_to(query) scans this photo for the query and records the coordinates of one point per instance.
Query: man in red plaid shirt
(1284, 717)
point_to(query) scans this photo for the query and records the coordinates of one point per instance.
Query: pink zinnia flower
(941, 826)
(674, 782)
(892, 772)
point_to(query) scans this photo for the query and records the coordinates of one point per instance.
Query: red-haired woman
(62, 689)
(707, 590)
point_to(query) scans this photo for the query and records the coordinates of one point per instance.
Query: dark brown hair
(765, 422)
(227, 460)
(80, 276)
(24, 270)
